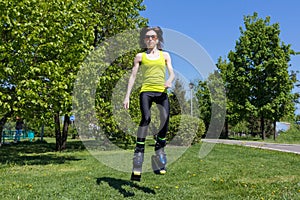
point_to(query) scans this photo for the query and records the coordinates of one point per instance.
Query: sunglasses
(154, 37)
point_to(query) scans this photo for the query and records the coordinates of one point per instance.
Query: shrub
(185, 130)
(290, 136)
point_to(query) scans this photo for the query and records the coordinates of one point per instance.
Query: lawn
(35, 171)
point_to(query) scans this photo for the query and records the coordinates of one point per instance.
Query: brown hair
(159, 33)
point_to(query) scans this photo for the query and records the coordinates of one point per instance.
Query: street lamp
(191, 85)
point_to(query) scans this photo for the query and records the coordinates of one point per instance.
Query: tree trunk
(42, 132)
(274, 124)
(226, 129)
(61, 136)
(262, 128)
(57, 132)
(65, 132)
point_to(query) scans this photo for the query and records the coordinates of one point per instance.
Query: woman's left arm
(168, 60)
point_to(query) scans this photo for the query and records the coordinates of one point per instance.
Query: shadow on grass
(35, 153)
(118, 185)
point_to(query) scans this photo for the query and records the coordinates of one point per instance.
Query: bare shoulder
(138, 57)
(166, 55)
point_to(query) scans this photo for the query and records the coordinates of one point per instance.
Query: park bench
(11, 135)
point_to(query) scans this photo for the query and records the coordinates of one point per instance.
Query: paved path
(292, 148)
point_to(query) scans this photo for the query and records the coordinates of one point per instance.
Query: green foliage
(101, 83)
(261, 69)
(257, 79)
(178, 103)
(212, 104)
(44, 52)
(185, 130)
(42, 46)
(113, 119)
(204, 101)
(291, 136)
(241, 127)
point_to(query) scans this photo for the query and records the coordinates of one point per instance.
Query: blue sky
(214, 24)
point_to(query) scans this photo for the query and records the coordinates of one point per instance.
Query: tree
(204, 102)
(42, 47)
(18, 46)
(259, 83)
(178, 104)
(45, 42)
(232, 116)
(212, 104)
(116, 44)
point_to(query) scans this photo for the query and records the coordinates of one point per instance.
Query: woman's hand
(168, 84)
(126, 103)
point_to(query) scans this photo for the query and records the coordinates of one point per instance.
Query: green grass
(35, 171)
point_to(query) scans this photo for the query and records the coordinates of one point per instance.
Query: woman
(153, 63)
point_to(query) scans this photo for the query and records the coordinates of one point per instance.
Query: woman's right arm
(136, 64)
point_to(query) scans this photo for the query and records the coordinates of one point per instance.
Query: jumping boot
(138, 160)
(159, 160)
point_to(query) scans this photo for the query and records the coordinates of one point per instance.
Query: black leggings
(146, 100)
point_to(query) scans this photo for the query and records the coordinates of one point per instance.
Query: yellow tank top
(153, 73)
